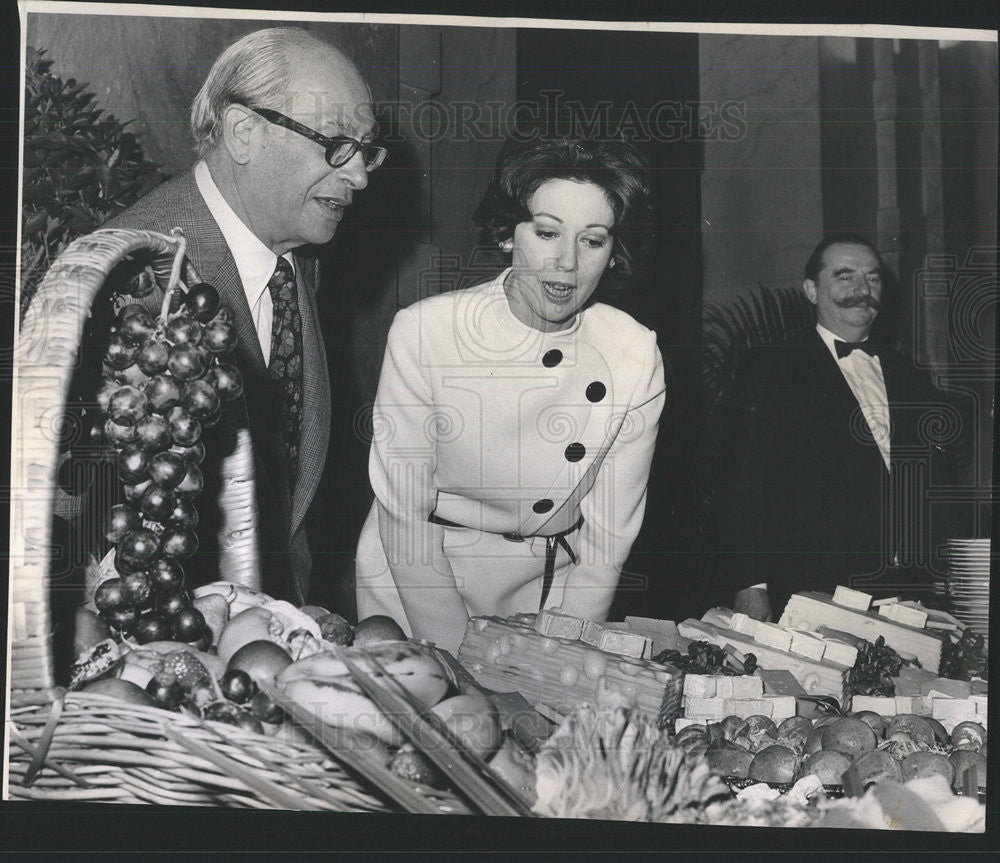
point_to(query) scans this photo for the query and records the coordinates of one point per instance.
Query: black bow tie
(844, 348)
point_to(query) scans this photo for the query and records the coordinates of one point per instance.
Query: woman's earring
(611, 264)
(507, 246)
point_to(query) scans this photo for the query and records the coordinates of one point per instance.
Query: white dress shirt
(254, 261)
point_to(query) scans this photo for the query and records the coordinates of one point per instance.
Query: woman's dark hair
(614, 166)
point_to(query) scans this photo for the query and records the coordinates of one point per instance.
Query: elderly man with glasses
(283, 127)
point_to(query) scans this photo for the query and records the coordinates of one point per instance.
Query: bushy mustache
(859, 300)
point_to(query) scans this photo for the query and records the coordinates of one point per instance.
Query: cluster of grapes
(168, 382)
(873, 672)
(705, 658)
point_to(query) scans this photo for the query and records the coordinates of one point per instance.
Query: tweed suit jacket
(282, 504)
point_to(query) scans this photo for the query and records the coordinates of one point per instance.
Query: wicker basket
(80, 746)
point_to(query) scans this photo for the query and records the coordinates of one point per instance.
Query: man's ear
(809, 289)
(238, 124)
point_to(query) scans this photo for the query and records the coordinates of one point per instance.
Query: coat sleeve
(401, 467)
(613, 510)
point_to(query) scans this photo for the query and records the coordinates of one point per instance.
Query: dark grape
(202, 301)
(107, 389)
(134, 493)
(211, 419)
(227, 381)
(137, 588)
(193, 482)
(225, 314)
(179, 542)
(152, 357)
(128, 405)
(219, 337)
(184, 514)
(163, 393)
(133, 463)
(266, 710)
(137, 325)
(119, 521)
(110, 595)
(122, 618)
(237, 686)
(166, 575)
(121, 351)
(158, 502)
(119, 434)
(188, 362)
(200, 399)
(137, 549)
(167, 695)
(127, 310)
(183, 331)
(194, 454)
(189, 624)
(154, 433)
(171, 603)
(143, 285)
(186, 430)
(151, 627)
(168, 469)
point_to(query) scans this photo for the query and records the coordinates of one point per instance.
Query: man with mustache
(832, 451)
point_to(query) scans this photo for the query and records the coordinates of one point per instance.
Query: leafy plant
(80, 168)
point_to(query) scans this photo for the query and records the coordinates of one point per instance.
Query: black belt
(551, 542)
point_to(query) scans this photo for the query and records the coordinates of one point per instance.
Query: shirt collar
(829, 338)
(254, 261)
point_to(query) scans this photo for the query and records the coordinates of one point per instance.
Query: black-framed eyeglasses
(339, 149)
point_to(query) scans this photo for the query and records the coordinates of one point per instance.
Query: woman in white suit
(515, 421)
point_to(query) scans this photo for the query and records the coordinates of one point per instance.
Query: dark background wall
(758, 144)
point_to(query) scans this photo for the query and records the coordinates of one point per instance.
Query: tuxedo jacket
(282, 504)
(810, 503)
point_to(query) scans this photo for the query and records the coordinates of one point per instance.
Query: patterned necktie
(285, 367)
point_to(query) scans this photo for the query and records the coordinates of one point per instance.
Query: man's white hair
(254, 70)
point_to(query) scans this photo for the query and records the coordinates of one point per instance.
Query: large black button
(552, 358)
(543, 505)
(596, 391)
(575, 452)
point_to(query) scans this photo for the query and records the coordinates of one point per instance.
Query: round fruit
(157, 502)
(266, 710)
(775, 764)
(756, 733)
(137, 549)
(122, 689)
(133, 463)
(968, 735)
(193, 482)
(171, 603)
(153, 433)
(120, 519)
(193, 454)
(110, 595)
(261, 660)
(795, 727)
(378, 627)
(237, 686)
(120, 435)
(940, 734)
(184, 514)
(152, 357)
(200, 399)
(874, 721)
(913, 725)
(134, 493)
(121, 351)
(473, 720)
(188, 362)
(178, 542)
(731, 726)
(411, 764)
(333, 627)
(251, 624)
(730, 762)
(921, 764)
(849, 735)
(138, 324)
(183, 331)
(227, 380)
(166, 575)
(966, 759)
(876, 766)
(121, 618)
(167, 469)
(202, 300)
(219, 337)
(248, 722)
(151, 627)
(163, 393)
(189, 624)
(128, 405)
(104, 392)
(184, 427)
(226, 314)
(828, 765)
(166, 695)
(814, 741)
(137, 588)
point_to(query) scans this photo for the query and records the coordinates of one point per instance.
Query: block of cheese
(810, 610)
(555, 624)
(663, 633)
(705, 708)
(876, 704)
(949, 708)
(700, 685)
(745, 707)
(773, 636)
(744, 624)
(852, 598)
(682, 722)
(904, 704)
(625, 643)
(719, 616)
(817, 678)
(591, 633)
(904, 614)
(740, 686)
(946, 687)
(777, 681)
(910, 679)
(506, 656)
(838, 651)
(921, 705)
(805, 645)
(980, 703)
(782, 707)
(888, 600)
